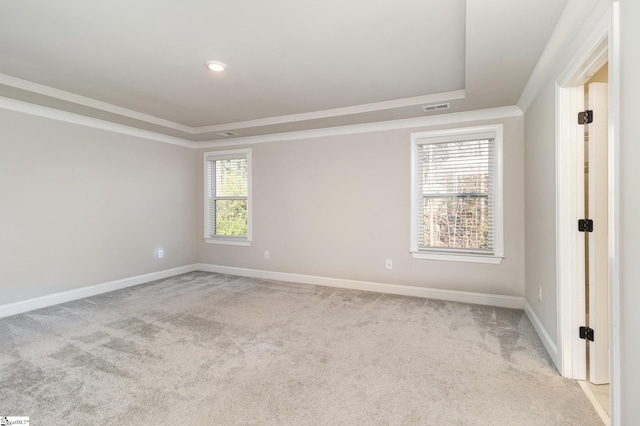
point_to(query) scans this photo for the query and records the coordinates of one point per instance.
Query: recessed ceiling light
(216, 66)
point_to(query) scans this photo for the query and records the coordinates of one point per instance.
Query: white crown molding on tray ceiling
(83, 120)
(379, 126)
(408, 123)
(336, 112)
(267, 121)
(41, 89)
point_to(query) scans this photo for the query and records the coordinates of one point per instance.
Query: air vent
(436, 107)
(227, 134)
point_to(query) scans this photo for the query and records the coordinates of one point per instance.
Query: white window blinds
(455, 183)
(227, 208)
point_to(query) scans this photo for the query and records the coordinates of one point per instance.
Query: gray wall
(339, 206)
(81, 206)
(540, 174)
(540, 207)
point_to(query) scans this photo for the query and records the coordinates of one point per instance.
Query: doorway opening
(588, 267)
(596, 247)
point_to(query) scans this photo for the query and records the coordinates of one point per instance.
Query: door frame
(602, 45)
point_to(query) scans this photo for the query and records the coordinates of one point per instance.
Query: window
(456, 209)
(228, 197)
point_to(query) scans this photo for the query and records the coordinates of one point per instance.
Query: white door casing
(597, 46)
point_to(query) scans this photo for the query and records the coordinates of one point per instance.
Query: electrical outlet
(540, 293)
(266, 254)
(160, 253)
(389, 264)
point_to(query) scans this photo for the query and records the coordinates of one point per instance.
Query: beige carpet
(210, 349)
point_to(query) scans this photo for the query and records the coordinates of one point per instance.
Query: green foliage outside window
(228, 193)
(231, 218)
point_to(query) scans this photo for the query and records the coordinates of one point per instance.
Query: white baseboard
(79, 293)
(548, 343)
(428, 293)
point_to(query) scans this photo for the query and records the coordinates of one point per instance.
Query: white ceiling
(293, 65)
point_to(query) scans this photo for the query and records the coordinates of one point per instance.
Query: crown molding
(96, 123)
(408, 123)
(125, 112)
(573, 26)
(89, 102)
(335, 112)
(442, 119)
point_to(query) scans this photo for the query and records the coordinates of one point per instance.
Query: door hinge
(585, 117)
(585, 225)
(586, 333)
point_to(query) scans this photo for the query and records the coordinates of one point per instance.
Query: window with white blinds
(227, 196)
(457, 194)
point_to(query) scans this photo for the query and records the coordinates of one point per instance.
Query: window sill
(228, 242)
(458, 257)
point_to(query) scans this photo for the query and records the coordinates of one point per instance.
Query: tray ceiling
(291, 65)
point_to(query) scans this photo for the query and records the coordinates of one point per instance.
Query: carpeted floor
(210, 349)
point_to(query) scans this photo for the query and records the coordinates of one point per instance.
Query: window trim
(461, 255)
(227, 155)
